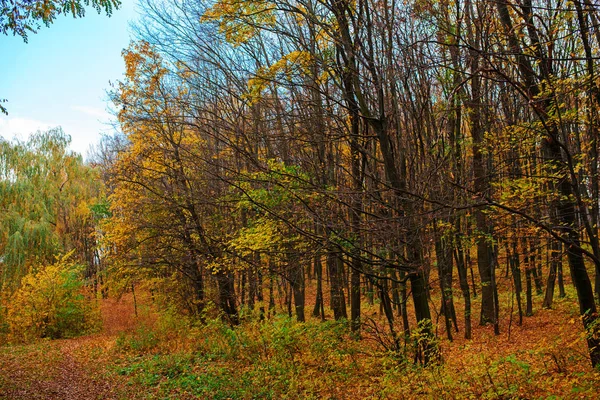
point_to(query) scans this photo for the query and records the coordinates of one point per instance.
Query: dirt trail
(68, 368)
(57, 375)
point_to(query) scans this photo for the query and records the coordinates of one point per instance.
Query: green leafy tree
(45, 194)
(20, 17)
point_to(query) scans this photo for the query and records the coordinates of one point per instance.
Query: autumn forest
(318, 199)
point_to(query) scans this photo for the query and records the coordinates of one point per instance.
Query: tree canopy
(21, 17)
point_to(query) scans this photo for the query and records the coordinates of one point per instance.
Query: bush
(52, 303)
(143, 340)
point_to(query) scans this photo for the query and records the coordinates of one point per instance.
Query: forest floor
(69, 369)
(152, 356)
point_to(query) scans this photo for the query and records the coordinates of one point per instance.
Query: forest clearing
(314, 199)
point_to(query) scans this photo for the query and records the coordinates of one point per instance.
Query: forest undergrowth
(142, 353)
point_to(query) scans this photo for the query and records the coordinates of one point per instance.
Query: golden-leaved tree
(432, 133)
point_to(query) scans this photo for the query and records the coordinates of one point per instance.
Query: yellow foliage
(240, 20)
(296, 60)
(261, 237)
(52, 302)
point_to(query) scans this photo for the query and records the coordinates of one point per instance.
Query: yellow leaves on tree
(263, 237)
(52, 302)
(240, 20)
(294, 62)
(144, 71)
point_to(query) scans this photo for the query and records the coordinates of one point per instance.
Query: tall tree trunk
(338, 302)
(443, 253)
(463, 280)
(297, 286)
(225, 282)
(515, 267)
(527, 257)
(555, 259)
(386, 306)
(404, 310)
(481, 185)
(318, 310)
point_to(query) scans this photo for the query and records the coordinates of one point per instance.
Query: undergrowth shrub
(142, 340)
(425, 345)
(52, 303)
(276, 358)
(157, 331)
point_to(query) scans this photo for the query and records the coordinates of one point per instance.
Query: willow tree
(45, 192)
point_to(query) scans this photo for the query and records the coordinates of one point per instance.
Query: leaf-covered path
(68, 368)
(50, 372)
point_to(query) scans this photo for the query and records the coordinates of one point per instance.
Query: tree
(400, 133)
(21, 17)
(46, 194)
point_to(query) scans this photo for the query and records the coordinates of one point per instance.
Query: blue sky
(61, 76)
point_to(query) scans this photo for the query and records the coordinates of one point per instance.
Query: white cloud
(92, 111)
(21, 128)
(84, 129)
